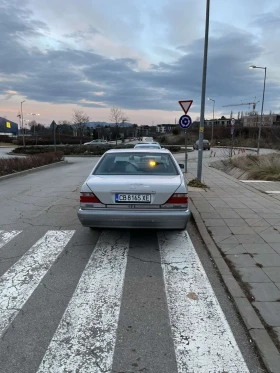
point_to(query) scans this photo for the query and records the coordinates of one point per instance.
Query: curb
(235, 147)
(25, 172)
(255, 328)
(17, 154)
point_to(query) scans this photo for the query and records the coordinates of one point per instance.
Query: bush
(71, 149)
(12, 165)
(6, 139)
(173, 148)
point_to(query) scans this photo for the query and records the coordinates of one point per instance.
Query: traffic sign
(232, 121)
(185, 105)
(232, 130)
(185, 122)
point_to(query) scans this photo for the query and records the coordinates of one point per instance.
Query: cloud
(82, 34)
(87, 78)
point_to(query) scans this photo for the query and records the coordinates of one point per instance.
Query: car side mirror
(181, 165)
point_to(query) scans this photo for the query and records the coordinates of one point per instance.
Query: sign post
(185, 122)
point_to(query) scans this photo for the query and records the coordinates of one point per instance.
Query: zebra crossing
(85, 338)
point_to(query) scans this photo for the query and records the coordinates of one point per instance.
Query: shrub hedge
(17, 164)
(84, 150)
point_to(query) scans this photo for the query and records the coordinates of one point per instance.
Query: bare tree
(117, 116)
(33, 126)
(80, 121)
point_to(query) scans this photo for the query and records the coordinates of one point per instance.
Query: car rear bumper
(163, 219)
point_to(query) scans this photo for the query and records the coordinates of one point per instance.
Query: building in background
(165, 128)
(223, 121)
(254, 120)
(8, 127)
(146, 130)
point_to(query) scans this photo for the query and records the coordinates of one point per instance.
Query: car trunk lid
(161, 188)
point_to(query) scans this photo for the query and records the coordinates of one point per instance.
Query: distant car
(97, 142)
(206, 145)
(151, 145)
(135, 188)
(146, 139)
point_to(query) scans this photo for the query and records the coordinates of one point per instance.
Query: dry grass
(12, 165)
(263, 167)
(197, 184)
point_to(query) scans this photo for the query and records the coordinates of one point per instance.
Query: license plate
(128, 198)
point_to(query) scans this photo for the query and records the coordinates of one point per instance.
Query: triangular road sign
(185, 105)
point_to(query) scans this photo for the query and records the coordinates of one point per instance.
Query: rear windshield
(136, 164)
(148, 146)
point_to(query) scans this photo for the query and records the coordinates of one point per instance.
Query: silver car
(97, 142)
(135, 188)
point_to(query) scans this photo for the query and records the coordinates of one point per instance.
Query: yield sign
(185, 105)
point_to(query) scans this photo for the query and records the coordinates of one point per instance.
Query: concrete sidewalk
(244, 223)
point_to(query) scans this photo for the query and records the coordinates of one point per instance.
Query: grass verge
(12, 165)
(263, 167)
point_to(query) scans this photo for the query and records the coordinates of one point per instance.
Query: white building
(165, 128)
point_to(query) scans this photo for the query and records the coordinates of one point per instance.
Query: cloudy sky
(140, 55)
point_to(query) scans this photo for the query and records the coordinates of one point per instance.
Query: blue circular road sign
(185, 121)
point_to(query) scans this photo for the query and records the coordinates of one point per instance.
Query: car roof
(138, 150)
(148, 143)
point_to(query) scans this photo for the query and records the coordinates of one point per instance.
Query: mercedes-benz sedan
(134, 188)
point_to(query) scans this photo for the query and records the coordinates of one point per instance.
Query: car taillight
(178, 198)
(88, 198)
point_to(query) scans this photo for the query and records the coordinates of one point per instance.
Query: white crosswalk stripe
(85, 338)
(202, 337)
(86, 335)
(5, 237)
(19, 282)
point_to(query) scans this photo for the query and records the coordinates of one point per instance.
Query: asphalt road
(79, 300)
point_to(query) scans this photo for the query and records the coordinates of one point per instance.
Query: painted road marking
(6, 236)
(272, 191)
(202, 337)
(85, 338)
(19, 282)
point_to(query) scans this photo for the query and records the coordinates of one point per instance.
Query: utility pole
(261, 123)
(212, 132)
(54, 137)
(23, 139)
(202, 108)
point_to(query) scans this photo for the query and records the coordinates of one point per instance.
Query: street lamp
(260, 125)
(212, 135)
(23, 140)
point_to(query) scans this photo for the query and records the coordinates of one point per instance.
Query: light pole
(203, 89)
(23, 140)
(212, 134)
(261, 123)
